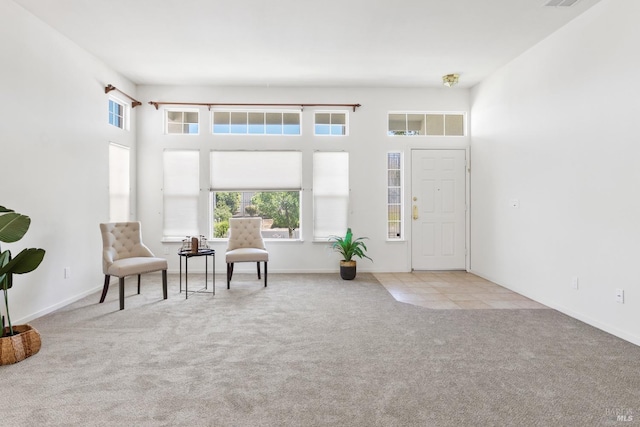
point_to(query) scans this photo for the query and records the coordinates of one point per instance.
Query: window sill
(172, 239)
(266, 240)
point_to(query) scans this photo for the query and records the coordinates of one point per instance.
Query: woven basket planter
(18, 347)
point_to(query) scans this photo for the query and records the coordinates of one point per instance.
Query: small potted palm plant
(349, 248)
(20, 341)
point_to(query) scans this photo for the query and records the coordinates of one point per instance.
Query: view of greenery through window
(280, 211)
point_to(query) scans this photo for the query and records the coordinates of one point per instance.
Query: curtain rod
(227, 104)
(134, 102)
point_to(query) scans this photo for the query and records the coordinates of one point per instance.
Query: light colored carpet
(313, 350)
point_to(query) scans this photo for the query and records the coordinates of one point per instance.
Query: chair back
(245, 233)
(121, 240)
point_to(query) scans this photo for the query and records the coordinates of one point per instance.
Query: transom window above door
(426, 124)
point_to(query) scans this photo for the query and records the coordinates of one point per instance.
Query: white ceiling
(399, 43)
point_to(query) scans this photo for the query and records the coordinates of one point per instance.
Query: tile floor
(452, 290)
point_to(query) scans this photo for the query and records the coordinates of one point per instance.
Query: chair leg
(121, 293)
(229, 274)
(265, 274)
(138, 284)
(258, 265)
(105, 288)
(164, 283)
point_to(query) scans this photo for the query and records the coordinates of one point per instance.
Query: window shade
(181, 192)
(256, 170)
(330, 194)
(119, 187)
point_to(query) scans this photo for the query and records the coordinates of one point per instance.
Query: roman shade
(256, 170)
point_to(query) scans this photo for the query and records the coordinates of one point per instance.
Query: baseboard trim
(57, 306)
(252, 270)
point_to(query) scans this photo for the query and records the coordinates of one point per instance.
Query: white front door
(438, 210)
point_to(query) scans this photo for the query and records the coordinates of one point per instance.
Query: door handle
(415, 212)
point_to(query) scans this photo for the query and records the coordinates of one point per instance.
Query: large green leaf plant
(13, 227)
(349, 247)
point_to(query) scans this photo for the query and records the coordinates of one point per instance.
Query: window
(394, 196)
(256, 122)
(257, 183)
(429, 124)
(330, 194)
(119, 188)
(331, 123)
(182, 122)
(181, 190)
(280, 211)
(117, 114)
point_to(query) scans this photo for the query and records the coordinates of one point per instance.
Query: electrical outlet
(166, 250)
(574, 282)
(620, 296)
(514, 203)
(67, 272)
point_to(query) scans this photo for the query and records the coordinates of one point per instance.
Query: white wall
(54, 139)
(557, 129)
(367, 144)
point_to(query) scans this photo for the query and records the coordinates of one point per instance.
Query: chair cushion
(121, 240)
(247, 255)
(136, 265)
(245, 233)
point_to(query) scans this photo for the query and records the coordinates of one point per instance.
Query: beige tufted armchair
(124, 254)
(246, 245)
